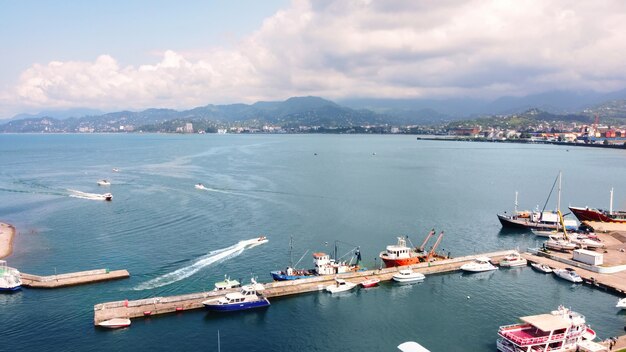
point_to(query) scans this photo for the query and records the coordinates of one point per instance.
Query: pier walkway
(163, 305)
(72, 279)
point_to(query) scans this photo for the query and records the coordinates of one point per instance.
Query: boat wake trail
(84, 195)
(213, 257)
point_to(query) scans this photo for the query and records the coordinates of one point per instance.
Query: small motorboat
(226, 284)
(200, 186)
(412, 346)
(621, 303)
(249, 297)
(115, 323)
(541, 268)
(10, 279)
(104, 183)
(513, 259)
(367, 283)
(479, 264)
(107, 196)
(568, 274)
(340, 285)
(407, 275)
(116, 169)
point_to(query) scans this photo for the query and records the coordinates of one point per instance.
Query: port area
(163, 305)
(72, 279)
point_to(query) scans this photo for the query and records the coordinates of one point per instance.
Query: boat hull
(584, 214)
(10, 289)
(279, 276)
(524, 223)
(237, 306)
(541, 269)
(390, 263)
(370, 283)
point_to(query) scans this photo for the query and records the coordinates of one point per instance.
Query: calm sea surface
(362, 190)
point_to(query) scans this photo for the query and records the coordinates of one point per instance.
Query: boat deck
(163, 305)
(72, 279)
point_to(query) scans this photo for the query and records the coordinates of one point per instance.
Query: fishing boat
(513, 259)
(479, 264)
(104, 183)
(621, 303)
(290, 273)
(115, 323)
(400, 254)
(541, 268)
(407, 275)
(340, 285)
(10, 279)
(248, 298)
(226, 284)
(536, 219)
(601, 215)
(367, 283)
(561, 330)
(568, 274)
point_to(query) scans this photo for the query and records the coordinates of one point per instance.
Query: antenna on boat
(290, 251)
(515, 203)
(611, 203)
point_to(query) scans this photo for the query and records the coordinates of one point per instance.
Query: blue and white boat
(248, 298)
(9, 278)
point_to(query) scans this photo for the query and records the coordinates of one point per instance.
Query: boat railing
(530, 340)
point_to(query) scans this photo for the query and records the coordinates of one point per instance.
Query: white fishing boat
(621, 303)
(10, 279)
(512, 260)
(115, 323)
(226, 284)
(340, 285)
(408, 275)
(104, 183)
(541, 267)
(479, 264)
(568, 274)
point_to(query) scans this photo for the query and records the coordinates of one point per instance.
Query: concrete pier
(72, 279)
(163, 305)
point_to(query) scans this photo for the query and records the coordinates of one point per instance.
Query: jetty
(170, 304)
(72, 279)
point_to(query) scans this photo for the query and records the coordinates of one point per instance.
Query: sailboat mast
(290, 251)
(611, 203)
(558, 201)
(515, 203)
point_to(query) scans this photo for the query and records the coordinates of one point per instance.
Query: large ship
(400, 254)
(602, 215)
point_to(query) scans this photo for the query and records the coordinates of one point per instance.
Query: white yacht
(513, 259)
(568, 274)
(479, 264)
(408, 275)
(340, 285)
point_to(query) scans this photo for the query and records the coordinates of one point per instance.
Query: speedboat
(226, 284)
(116, 169)
(104, 183)
(513, 259)
(340, 285)
(9, 278)
(407, 275)
(568, 274)
(367, 283)
(560, 244)
(479, 264)
(412, 346)
(107, 196)
(200, 186)
(115, 323)
(621, 303)
(541, 267)
(249, 297)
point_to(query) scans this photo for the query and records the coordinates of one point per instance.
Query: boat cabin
(398, 251)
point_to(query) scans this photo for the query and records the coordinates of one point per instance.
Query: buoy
(468, 297)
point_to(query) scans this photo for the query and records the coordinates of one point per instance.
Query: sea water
(361, 190)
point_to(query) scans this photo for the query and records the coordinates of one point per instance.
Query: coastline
(7, 232)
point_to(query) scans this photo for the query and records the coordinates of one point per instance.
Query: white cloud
(337, 49)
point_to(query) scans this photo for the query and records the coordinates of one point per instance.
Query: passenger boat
(340, 285)
(367, 283)
(541, 267)
(621, 303)
(407, 275)
(115, 323)
(479, 264)
(561, 330)
(590, 214)
(513, 259)
(104, 183)
(226, 284)
(400, 254)
(248, 298)
(560, 244)
(10, 279)
(568, 274)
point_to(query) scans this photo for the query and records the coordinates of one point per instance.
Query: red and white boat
(367, 283)
(561, 330)
(513, 259)
(590, 214)
(400, 254)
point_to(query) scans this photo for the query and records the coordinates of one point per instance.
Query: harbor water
(361, 190)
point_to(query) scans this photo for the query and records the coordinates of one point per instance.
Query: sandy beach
(6, 239)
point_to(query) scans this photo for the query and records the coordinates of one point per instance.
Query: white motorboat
(10, 279)
(249, 297)
(553, 233)
(200, 186)
(226, 284)
(513, 259)
(541, 267)
(115, 323)
(407, 275)
(412, 346)
(104, 183)
(340, 285)
(560, 244)
(568, 274)
(621, 303)
(479, 264)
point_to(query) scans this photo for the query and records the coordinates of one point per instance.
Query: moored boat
(10, 279)
(561, 330)
(479, 264)
(541, 268)
(408, 275)
(104, 183)
(601, 215)
(226, 284)
(400, 254)
(621, 303)
(367, 283)
(560, 244)
(513, 259)
(249, 297)
(568, 274)
(340, 285)
(115, 323)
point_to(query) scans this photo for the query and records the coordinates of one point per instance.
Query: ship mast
(611, 203)
(558, 201)
(515, 203)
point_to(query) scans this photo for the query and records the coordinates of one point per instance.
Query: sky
(114, 55)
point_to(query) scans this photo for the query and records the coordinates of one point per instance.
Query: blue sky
(113, 55)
